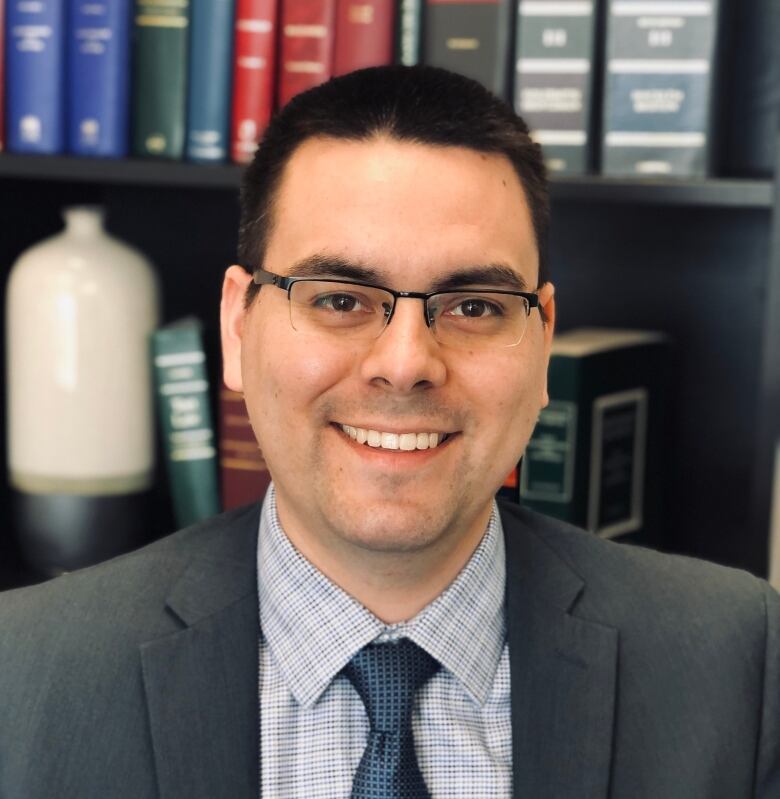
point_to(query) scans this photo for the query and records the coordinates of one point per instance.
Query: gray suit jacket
(634, 675)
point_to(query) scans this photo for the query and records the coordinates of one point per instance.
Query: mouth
(406, 442)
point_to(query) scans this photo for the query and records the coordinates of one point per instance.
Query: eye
(340, 302)
(476, 307)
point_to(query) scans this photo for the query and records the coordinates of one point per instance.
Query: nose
(406, 356)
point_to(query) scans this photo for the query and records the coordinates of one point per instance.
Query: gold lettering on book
(304, 67)
(361, 14)
(462, 43)
(151, 21)
(160, 4)
(308, 31)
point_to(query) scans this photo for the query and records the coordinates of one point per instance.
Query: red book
(244, 476)
(254, 62)
(306, 45)
(364, 34)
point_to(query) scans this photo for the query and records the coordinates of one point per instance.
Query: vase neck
(83, 220)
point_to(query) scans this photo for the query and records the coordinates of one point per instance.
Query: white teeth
(394, 441)
(389, 440)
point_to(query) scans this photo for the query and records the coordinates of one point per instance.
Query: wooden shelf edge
(714, 192)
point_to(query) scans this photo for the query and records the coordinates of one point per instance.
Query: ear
(547, 303)
(231, 315)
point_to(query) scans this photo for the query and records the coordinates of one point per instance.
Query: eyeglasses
(465, 318)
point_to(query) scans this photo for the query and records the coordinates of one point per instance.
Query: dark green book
(189, 442)
(472, 38)
(160, 67)
(594, 457)
(408, 32)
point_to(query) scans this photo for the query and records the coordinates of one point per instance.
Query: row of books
(593, 459)
(199, 79)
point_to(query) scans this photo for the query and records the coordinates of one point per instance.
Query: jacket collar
(201, 681)
(563, 671)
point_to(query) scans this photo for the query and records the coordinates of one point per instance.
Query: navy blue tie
(387, 676)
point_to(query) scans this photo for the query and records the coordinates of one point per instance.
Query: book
(186, 425)
(35, 72)
(210, 72)
(254, 75)
(306, 45)
(659, 88)
(2, 75)
(472, 37)
(160, 66)
(555, 53)
(408, 32)
(363, 34)
(243, 473)
(754, 89)
(98, 78)
(594, 458)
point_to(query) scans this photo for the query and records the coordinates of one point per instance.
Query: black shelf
(713, 192)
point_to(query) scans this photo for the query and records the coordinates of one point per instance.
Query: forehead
(411, 211)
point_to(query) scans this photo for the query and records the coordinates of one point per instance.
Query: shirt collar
(313, 628)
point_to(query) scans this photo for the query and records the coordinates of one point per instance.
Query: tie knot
(387, 676)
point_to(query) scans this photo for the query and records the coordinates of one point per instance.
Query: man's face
(413, 214)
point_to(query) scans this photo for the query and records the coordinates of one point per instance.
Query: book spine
(210, 62)
(364, 34)
(160, 78)
(98, 77)
(408, 32)
(244, 475)
(185, 420)
(554, 77)
(254, 73)
(472, 38)
(306, 57)
(659, 87)
(35, 69)
(2, 75)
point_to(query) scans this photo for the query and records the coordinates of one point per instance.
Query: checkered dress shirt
(313, 725)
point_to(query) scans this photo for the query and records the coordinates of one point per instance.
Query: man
(390, 329)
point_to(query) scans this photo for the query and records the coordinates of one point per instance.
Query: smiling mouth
(407, 442)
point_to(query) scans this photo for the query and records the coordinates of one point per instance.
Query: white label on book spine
(692, 8)
(557, 66)
(565, 138)
(179, 359)
(625, 66)
(617, 463)
(574, 8)
(627, 138)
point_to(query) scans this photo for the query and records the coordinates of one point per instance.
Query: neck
(394, 586)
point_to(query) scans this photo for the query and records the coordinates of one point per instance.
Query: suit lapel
(201, 682)
(563, 676)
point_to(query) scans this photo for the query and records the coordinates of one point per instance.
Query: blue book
(35, 97)
(211, 66)
(98, 77)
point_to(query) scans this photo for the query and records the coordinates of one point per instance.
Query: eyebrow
(496, 275)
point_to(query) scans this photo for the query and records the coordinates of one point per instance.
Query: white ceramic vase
(80, 307)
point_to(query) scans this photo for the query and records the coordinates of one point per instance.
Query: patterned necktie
(387, 676)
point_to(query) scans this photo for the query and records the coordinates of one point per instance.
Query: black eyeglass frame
(262, 277)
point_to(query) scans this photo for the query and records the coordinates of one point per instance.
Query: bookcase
(699, 260)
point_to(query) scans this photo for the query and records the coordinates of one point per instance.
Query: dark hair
(421, 104)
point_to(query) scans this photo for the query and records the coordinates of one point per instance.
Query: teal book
(186, 424)
(555, 54)
(594, 459)
(661, 59)
(408, 32)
